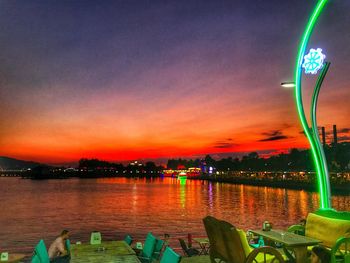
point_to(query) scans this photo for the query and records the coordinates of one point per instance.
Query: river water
(31, 210)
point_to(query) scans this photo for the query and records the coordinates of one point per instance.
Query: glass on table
(283, 234)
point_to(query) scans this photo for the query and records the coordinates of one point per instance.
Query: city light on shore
(288, 84)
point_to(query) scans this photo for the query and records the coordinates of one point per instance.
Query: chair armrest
(266, 251)
(297, 229)
(341, 250)
(156, 255)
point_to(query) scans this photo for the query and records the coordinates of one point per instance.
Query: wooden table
(291, 241)
(106, 252)
(14, 257)
(203, 244)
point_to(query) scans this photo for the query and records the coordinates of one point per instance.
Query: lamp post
(312, 63)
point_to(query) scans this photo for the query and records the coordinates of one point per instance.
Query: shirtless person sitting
(58, 252)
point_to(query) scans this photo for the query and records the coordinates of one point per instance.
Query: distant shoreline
(342, 188)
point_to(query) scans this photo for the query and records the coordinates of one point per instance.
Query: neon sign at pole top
(313, 61)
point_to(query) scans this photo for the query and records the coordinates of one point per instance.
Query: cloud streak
(224, 144)
(274, 135)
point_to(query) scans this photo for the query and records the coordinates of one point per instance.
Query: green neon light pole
(320, 150)
(312, 133)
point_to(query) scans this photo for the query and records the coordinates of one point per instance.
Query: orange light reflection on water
(119, 206)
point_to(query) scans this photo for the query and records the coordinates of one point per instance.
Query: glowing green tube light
(312, 134)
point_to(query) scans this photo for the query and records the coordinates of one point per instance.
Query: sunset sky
(123, 80)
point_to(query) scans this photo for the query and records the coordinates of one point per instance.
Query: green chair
(40, 253)
(332, 228)
(158, 249)
(67, 243)
(128, 239)
(95, 238)
(297, 229)
(341, 251)
(170, 256)
(35, 259)
(148, 249)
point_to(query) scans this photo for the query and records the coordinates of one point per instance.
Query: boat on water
(182, 176)
(190, 172)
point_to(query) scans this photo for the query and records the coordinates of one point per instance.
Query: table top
(106, 259)
(14, 257)
(108, 252)
(201, 240)
(287, 238)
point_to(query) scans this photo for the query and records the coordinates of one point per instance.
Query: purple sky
(122, 80)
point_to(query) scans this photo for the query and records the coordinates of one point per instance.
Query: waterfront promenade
(288, 180)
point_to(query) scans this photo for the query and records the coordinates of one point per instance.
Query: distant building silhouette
(323, 136)
(335, 138)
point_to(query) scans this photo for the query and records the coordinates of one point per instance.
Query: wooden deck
(196, 259)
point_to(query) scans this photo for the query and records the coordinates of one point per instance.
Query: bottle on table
(261, 242)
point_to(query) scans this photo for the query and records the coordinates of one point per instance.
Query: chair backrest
(35, 259)
(159, 246)
(183, 246)
(170, 256)
(225, 243)
(95, 238)
(149, 246)
(231, 245)
(128, 239)
(235, 250)
(326, 229)
(40, 252)
(217, 244)
(246, 247)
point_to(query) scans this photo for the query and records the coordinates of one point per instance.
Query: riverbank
(340, 182)
(341, 188)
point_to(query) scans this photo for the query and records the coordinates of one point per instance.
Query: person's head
(320, 254)
(65, 234)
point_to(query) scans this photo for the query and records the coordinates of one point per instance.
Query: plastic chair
(188, 251)
(40, 253)
(95, 238)
(170, 256)
(341, 251)
(158, 249)
(128, 239)
(35, 259)
(68, 245)
(148, 249)
(297, 229)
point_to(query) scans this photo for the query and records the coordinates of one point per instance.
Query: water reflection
(210, 195)
(41, 209)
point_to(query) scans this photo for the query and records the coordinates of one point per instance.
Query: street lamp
(288, 84)
(312, 63)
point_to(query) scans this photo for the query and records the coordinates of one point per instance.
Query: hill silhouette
(7, 163)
